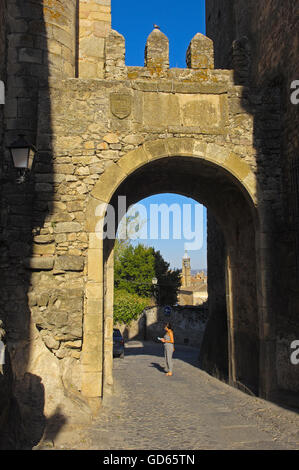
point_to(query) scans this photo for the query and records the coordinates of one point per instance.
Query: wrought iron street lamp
(22, 154)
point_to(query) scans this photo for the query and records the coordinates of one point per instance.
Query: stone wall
(272, 31)
(188, 324)
(41, 44)
(219, 17)
(2, 73)
(6, 379)
(90, 137)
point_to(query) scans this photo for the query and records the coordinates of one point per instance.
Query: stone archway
(219, 165)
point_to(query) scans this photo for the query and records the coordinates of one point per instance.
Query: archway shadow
(27, 426)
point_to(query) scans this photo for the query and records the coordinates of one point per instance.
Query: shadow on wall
(24, 209)
(263, 99)
(215, 356)
(264, 66)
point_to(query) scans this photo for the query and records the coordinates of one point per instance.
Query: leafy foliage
(135, 267)
(134, 270)
(169, 281)
(128, 307)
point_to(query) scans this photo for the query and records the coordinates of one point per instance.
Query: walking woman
(168, 341)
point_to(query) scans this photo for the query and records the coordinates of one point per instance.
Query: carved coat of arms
(120, 105)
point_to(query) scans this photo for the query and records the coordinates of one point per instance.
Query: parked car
(118, 344)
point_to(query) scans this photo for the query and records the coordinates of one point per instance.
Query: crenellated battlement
(199, 58)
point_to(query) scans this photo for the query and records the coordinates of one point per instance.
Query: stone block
(67, 227)
(34, 56)
(94, 290)
(134, 139)
(180, 146)
(216, 153)
(92, 47)
(95, 265)
(69, 263)
(73, 344)
(111, 138)
(100, 28)
(108, 182)
(40, 263)
(43, 249)
(75, 206)
(43, 187)
(92, 361)
(66, 169)
(157, 51)
(95, 242)
(237, 166)
(161, 108)
(156, 149)
(200, 53)
(94, 216)
(88, 69)
(93, 323)
(133, 160)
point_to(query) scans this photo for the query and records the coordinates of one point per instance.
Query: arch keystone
(181, 146)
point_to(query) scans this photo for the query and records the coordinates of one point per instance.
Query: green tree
(169, 281)
(126, 230)
(134, 270)
(128, 307)
(135, 267)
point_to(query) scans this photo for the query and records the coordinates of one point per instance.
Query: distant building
(194, 289)
(186, 271)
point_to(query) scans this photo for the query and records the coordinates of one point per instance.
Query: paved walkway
(189, 410)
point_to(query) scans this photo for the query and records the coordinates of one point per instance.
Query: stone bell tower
(186, 270)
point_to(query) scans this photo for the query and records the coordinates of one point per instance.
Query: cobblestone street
(190, 410)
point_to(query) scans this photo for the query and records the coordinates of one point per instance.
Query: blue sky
(172, 242)
(180, 22)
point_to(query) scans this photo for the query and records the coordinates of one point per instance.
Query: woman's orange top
(170, 332)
